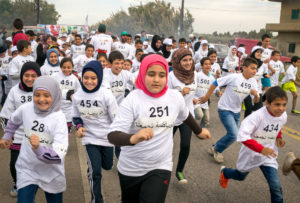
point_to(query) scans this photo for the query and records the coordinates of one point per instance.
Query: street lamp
(181, 18)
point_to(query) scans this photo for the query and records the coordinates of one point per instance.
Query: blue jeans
(98, 157)
(27, 195)
(231, 122)
(270, 174)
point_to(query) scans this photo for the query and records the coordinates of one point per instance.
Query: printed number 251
(159, 111)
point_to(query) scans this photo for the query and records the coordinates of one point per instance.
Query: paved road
(201, 171)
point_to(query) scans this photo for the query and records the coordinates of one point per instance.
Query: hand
(231, 70)
(4, 144)
(143, 134)
(218, 73)
(185, 91)
(195, 101)
(34, 141)
(254, 93)
(202, 100)
(80, 131)
(205, 134)
(273, 71)
(266, 61)
(220, 93)
(268, 152)
(280, 142)
(267, 76)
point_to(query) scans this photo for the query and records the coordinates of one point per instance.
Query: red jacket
(18, 36)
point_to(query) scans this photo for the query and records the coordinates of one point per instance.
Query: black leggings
(249, 107)
(185, 142)
(14, 154)
(151, 187)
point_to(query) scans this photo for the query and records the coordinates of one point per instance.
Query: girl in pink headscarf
(143, 127)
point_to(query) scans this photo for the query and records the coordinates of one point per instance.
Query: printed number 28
(38, 126)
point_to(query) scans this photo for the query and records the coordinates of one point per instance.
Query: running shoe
(218, 157)
(223, 181)
(295, 111)
(181, 178)
(14, 192)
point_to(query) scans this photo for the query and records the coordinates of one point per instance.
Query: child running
(231, 62)
(143, 127)
(69, 84)
(19, 95)
(52, 65)
(81, 60)
(260, 134)
(94, 108)
(289, 81)
(278, 66)
(238, 86)
(41, 160)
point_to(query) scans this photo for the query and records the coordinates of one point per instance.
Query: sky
(210, 15)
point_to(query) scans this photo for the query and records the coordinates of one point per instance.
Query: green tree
(24, 9)
(158, 17)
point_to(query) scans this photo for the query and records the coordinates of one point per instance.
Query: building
(289, 27)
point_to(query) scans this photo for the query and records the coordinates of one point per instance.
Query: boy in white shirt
(289, 81)
(78, 48)
(261, 136)
(102, 41)
(14, 68)
(278, 66)
(137, 60)
(238, 87)
(82, 60)
(115, 77)
(123, 46)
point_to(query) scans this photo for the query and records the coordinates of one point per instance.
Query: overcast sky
(210, 15)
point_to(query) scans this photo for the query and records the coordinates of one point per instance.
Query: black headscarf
(166, 53)
(153, 43)
(28, 66)
(259, 62)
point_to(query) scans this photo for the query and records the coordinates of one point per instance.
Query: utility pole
(181, 18)
(37, 6)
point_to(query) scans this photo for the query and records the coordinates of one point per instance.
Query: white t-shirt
(264, 128)
(97, 111)
(124, 48)
(138, 111)
(14, 100)
(174, 83)
(80, 62)
(47, 69)
(135, 65)
(117, 83)
(290, 74)
(203, 83)
(66, 83)
(237, 89)
(34, 46)
(266, 54)
(279, 68)
(77, 50)
(214, 68)
(230, 64)
(52, 132)
(263, 69)
(103, 42)
(14, 69)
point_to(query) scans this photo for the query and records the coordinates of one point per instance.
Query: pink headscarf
(148, 61)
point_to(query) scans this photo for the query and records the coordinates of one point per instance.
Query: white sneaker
(287, 164)
(217, 156)
(13, 192)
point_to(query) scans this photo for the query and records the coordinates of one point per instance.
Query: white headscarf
(230, 56)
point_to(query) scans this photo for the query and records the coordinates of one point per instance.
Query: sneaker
(287, 164)
(13, 192)
(217, 156)
(181, 178)
(223, 181)
(295, 111)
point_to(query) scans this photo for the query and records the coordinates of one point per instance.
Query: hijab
(153, 43)
(48, 57)
(230, 56)
(187, 77)
(50, 85)
(148, 61)
(28, 66)
(253, 51)
(96, 67)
